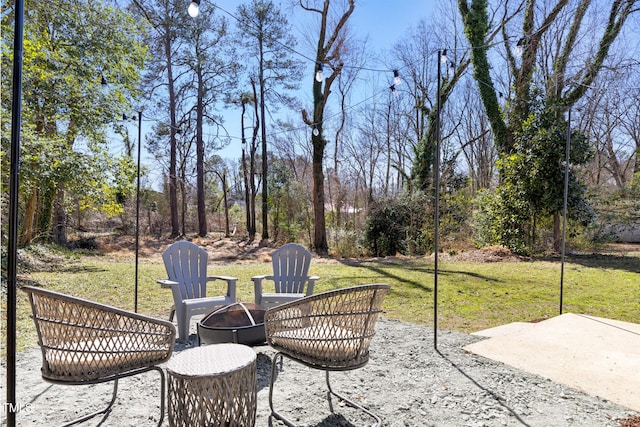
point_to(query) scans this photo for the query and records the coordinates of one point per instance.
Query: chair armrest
(231, 284)
(166, 283)
(312, 282)
(257, 288)
(262, 277)
(226, 278)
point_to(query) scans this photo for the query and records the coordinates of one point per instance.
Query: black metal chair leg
(93, 414)
(106, 410)
(162, 393)
(275, 413)
(290, 423)
(352, 403)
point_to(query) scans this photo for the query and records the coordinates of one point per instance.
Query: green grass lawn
(471, 295)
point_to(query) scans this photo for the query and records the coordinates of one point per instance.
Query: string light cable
(396, 72)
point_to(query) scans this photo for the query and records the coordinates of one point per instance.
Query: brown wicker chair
(330, 331)
(83, 342)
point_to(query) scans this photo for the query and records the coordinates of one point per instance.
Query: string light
(194, 8)
(518, 49)
(396, 78)
(319, 75)
(443, 57)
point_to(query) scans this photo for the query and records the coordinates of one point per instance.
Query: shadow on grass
(380, 267)
(616, 262)
(67, 268)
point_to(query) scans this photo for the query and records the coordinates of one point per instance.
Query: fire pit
(240, 323)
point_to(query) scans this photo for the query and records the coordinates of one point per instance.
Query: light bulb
(396, 78)
(443, 56)
(319, 75)
(316, 131)
(517, 51)
(194, 9)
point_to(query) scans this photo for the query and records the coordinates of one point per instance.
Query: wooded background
(344, 161)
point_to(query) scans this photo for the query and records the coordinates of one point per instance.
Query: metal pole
(14, 181)
(436, 239)
(564, 211)
(135, 304)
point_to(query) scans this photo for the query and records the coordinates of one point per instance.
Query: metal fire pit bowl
(240, 323)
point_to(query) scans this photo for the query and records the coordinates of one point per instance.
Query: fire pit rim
(250, 334)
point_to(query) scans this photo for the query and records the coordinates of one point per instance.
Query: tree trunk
(251, 231)
(265, 204)
(28, 228)
(44, 212)
(225, 199)
(59, 226)
(324, 54)
(320, 233)
(252, 160)
(173, 178)
(388, 141)
(183, 199)
(202, 212)
(557, 233)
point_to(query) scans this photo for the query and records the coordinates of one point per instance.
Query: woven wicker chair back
(330, 330)
(186, 263)
(83, 341)
(291, 268)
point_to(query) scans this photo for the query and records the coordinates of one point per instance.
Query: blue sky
(386, 22)
(382, 22)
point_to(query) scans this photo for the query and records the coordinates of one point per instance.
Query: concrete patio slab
(510, 328)
(598, 356)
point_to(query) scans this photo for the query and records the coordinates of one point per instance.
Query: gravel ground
(406, 382)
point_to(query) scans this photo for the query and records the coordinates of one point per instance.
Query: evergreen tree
(266, 37)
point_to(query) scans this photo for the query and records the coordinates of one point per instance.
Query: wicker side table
(214, 385)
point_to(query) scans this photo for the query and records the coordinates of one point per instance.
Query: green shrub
(346, 243)
(399, 225)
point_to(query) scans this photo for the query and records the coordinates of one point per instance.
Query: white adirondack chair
(290, 276)
(186, 265)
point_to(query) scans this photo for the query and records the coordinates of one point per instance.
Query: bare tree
(219, 168)
(249, 161)
(610, 114)
(329, 54)
(477, 144)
